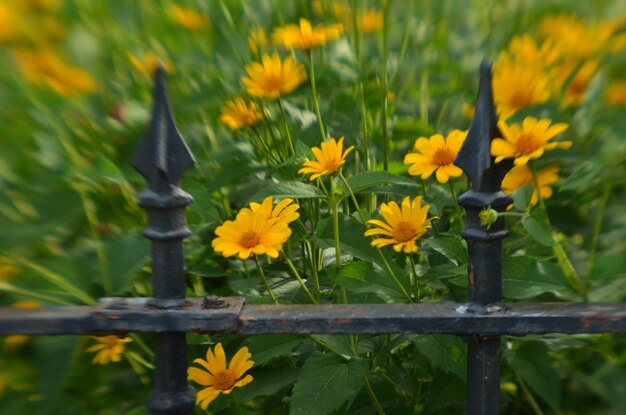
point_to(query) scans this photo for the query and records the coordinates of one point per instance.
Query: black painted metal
(161, 159)
(484, 246)
(123, 315)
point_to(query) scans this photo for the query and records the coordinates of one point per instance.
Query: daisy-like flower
(402, 225)
(328, 159)
(252, 232)
(190, 19)
(109, 349)
(305, 36)
(517, 85)
(528, 140)
(518, 176)
(236, 114)
(285, 211)
(217, 377)
(273, 78)
(436, 155)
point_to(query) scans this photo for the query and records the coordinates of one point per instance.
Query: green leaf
(266, 348)
(126, 255)
(296, 190)
(351, 239)
(361, 277)
(584, 175)
(524, 277)
(451, 246)
(445, 352)
(267, 381)
(369, 179)
(538, 227)
(522, 196)
(532, 363)
(325, 384)
(336, 343)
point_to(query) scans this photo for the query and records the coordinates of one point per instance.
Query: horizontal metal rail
(201, 315)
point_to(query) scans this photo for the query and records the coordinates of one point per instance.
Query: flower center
(224, 380)
(332, 164)
(250, 239)
(403, 232)
(521, 99)
(526, 143)
(273, 83)
(443, 157)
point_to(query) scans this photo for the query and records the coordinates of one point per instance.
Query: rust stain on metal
(471, 274)
(341, 320)
(589, 321)
(246, 318)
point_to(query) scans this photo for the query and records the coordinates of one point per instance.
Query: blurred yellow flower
(524, 50)
(9, 23)
(109, 349)
(273, 78)
(577, 88)
(528, 140)
(337, 9)
(14, 342)
(45, 68)
(436, 155)
(257, 40)
(8, 269)
(328, 159)
(402, 226)
(217, 376)
(285, 211)
(188, 18)
(237, 114)
(252, 232)
(148, 62)
(371, 21)
(615, 93)
(518, 176)
(517, 86)
(304, 36)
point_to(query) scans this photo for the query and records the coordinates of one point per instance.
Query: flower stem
(316, 279)
(372, 395)
(529, 397)
(267, 286)
(282, 111)
(393, 275)
(597, 227)
(316, 101)
(456, 204)
(335, 218)
(302, 284)
(415, 278)
(356, 204)
(385, 10)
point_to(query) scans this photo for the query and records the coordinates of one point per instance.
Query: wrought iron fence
(162, 159)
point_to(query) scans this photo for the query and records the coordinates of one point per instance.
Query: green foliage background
(71, 227)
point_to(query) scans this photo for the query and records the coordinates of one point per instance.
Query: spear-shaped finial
(163, 155)
(475, 156)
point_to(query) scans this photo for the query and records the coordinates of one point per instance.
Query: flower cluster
(305, 36)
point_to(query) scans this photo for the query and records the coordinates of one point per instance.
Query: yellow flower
(283, 212)
(8, 269)
(257, 40)
(273, 78)
(371, 21)
(9, 24)
(615, 93)
(518, 85)
(218, 377)
(236, 114)
(575, 93)
(45, 68)
(252, 232)
(305, 36)
(328, 159)
(518, 176)
(402, 225)
(436, 154)
(528, 140)
(109, 349)
(148, 62)
(525, 50)
(190, 19)
(337, 9)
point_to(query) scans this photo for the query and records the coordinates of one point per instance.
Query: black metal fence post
(161, 159)
(484, 244)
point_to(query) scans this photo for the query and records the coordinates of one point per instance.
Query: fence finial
(475, 155)
(163, 155)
